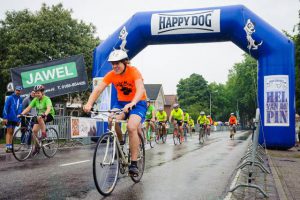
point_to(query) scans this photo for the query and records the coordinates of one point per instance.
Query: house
(170, 100)
(156, 94)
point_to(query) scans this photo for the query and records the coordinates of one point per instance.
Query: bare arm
(26, 110)
(94, 96)
(48, 110)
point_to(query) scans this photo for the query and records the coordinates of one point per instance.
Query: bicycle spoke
(21, 144)
(105, 164)
(50, 143)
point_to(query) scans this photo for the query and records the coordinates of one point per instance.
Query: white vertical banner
(276, 100)
(103, 102)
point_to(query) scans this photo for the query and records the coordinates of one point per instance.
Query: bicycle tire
(140, 161)
(201, 136)
(149, 136)
(164, 137)
(106, 175)
(50, 144)
(175, 137)
(20, 147)
(179, 139)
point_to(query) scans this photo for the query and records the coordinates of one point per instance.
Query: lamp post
(210, 101)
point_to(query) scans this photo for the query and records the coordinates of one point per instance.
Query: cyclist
(131, 94)
(12, 108)
(232, 123)
(191, 125)
(202, 120)
(186, 118)
(150, 119)
(161, 117)
(209, 124)
(177, 116)
(45, 111)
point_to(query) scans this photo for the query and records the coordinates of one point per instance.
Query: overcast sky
(167, 64)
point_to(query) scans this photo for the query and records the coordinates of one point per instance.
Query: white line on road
(233, 184)
(74, 163)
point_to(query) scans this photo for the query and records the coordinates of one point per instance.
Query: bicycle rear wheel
(50, 143)
(22, 144)
(140, 161)
(106, 164)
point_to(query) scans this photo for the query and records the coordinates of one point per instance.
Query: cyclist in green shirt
(186, 118)
(150, 118)
(44, 109)
(191, 124)
(202, 118)
(161, 117)
(176, 117)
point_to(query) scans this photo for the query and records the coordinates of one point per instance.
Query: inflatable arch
(273, 51)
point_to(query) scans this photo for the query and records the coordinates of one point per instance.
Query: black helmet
(39, 88)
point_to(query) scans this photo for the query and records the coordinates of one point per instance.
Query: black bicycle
(24, 141)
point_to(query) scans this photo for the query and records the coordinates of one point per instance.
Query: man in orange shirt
(232, 123)
(131, 97)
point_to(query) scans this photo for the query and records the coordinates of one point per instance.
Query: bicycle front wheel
(22, 144)
(106, 164)
(50, 143)
(140, 161)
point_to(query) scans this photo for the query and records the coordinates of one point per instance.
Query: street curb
(278, 184)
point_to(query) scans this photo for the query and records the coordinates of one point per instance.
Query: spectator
(27, 101)
(12, 108)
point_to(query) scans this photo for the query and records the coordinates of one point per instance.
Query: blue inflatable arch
(273, 51)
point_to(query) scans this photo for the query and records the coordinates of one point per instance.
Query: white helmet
(231, 113)
(160, 108)
(202, 113)
(117, 55)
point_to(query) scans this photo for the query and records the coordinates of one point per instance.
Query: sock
(134, 163)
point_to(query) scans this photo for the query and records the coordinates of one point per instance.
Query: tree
(193, 92)
(241, 88)
(50, 33)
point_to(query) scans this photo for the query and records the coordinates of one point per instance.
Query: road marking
(233, 184)
(74, 163)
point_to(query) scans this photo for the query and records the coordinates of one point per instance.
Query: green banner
(49, 74)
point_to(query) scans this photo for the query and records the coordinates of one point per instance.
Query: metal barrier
(252, 159)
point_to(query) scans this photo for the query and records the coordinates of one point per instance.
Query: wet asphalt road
(186, 171)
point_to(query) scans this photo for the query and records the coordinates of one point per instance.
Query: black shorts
(48, 119)
(179, 122)
(11, 124)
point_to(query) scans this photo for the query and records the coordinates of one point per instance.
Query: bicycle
(149, 138)
(176, 135)
(232, 129)
(23, 139)
(159, 133)
(110, 158)
(185, 131)
(202, 133)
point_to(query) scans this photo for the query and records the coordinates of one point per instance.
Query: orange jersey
(124, 83)
(232, 120)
